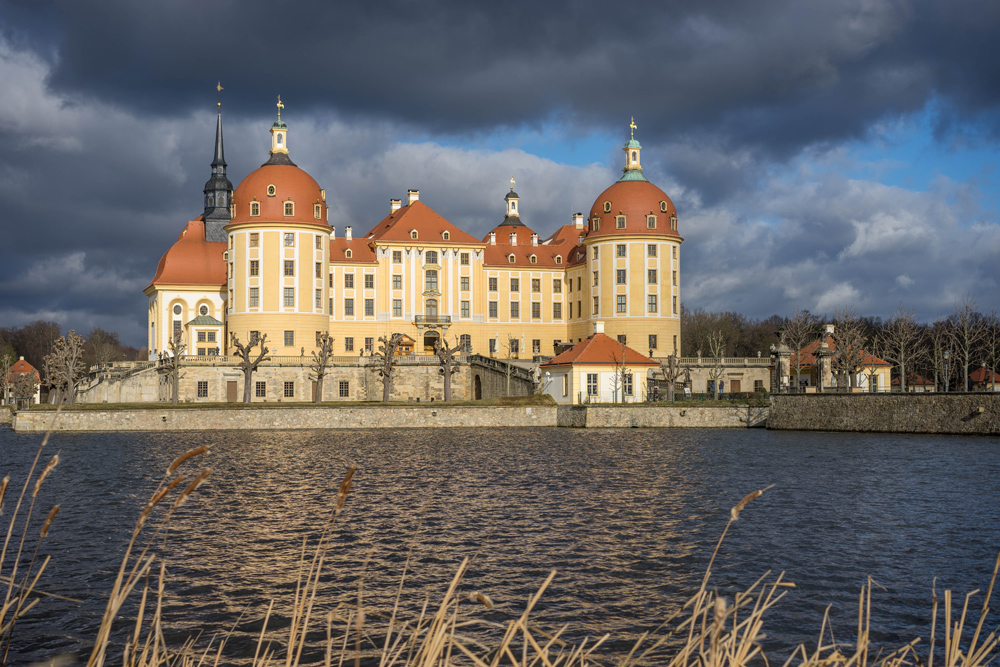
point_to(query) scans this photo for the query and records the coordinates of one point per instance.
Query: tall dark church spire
(218, 190)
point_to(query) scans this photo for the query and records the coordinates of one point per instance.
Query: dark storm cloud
(775, 75)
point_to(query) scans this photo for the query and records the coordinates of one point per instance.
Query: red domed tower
(633, 260)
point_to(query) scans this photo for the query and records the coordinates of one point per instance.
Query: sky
(820, 155)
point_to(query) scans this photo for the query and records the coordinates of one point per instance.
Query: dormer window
(596, 224)
(620, 222)
(271, 190)
(413, 234)
(533, 259)
(348, 254)
(673, 223)
(446, 235)
(255, 208)
(289, 208)
(650, 222)
(558, 259)
(510, 258)
(607, 207)
(317, 211)
(663, 206)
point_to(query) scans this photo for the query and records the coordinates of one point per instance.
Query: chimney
(578, 220)
(394, 205)
(579, 239)
(599, 327)
(513, 238)
(534, 239)
(828, 329)
(412, 196)
(347, 232)
(333, 233)
(493, 238)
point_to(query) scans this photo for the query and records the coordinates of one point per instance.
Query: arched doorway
(430, 338)
(477, 388)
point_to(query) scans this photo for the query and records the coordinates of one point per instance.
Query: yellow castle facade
(265, 259)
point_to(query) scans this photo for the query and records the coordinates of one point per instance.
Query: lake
(628, 519)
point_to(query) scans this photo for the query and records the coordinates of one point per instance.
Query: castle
(263, 258)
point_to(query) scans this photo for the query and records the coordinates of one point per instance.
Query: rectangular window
(623, 339)
(758, 385)
(652, 342)
(493, 309)
(536, 310)
(289, 296)
(464, 259)
(289, 390)
(595, 252)
(463, 283)
(465, 309)
(515, 309)
(651, 276)
(493, 284)
(202, 388)
(254, 337)
(331, 306)
(651, 250)
(289, 239)
(289, 338)
(345, 389)
(597, 306)
(651, 303)
(397, 307)
(595, 278)
(349, 344)
(289, 208)
(557, 286)
(595, 224)
(319, 339)
(536, 285)
(557, 311)
(397, 256)
(620, 276)
(569, 314)
(177, 329)
(319, 299)
(319, 240)
(565, 384)
(211, 336)
(620, 303)
(650, 222)
(202, 336)
(515, 285)
(493, 345)
(536, 346)
(579, 283)
(515, 345)
(397, 282)
(620, 250)
(348, 306)
(674, 251)
(319, 270)
(620, 222)
(674, 273)
(591, 384)
(331, 280)
(289, 267)
(369, 307)
(675, 305)
(260, 389)
(348, 281)
(430, 279)
(369, 281)
(254, 267)
(369, 344)
(254, 240)
(627, 383)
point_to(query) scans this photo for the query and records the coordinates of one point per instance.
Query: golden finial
(633, 126)
(511, 183)
(280, 107)
(219, 89)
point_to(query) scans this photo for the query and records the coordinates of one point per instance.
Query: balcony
(432, 319)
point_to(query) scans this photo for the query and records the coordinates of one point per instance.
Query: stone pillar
(782, 357)
(824, 378)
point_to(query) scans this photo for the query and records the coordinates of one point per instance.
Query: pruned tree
(247, 362)
(623, 374)
(510, 349)
(387, 357)
(7, 359)
(446, 362)
(716, 348)
(901, 342)
(170, 365)
(798, 331)
(848, 339)
(64, 366)
(25, 386)
(991, 345)
(967, 331)
(940, 342)
(671, 369)
(321, 360)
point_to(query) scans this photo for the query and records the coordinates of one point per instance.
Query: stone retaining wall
(5, 414)
(730, 416)
(977, 413)
(290, 417)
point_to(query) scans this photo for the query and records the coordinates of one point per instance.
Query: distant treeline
(34, 342)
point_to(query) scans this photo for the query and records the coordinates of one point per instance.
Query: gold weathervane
(219, 89)
(511, 183)
(633, 126)
(280, 107)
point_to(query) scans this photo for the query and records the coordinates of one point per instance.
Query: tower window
(596, 224)
(255, 236)
(289, 239)
(663, 206)
(255, 208)
(607, 207)
(673, 223)
(289, 208)
(271, 190)
(650, 222)
(317, 211)
(620, 222)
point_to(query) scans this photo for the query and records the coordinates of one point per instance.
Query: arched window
(533, 259)
(510, 258)
(633, 156)
(558, 259)
(348, 254)
(446, 235)
(431, 308)
(413, 234)
(430, 279)
(279, 138)
(431, 257)
(513, 206)
(210, 201)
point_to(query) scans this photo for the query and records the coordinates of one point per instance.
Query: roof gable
(600, 349)
(428, 224)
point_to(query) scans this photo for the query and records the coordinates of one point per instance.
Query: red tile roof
(809, 355)
(419, 216)
(290, 184)
(21, 367)
(192, 260)
(635, 200)
(915, 380)
(360, 251)
(600, 349)
(562, 244)
(983, 374)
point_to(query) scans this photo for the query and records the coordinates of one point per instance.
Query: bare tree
(991, 345)
(900, 341)
(940, 342)
(446, 361)
(102, 346)
(248, 364)
(387, 355)
(170, 365)
(510, 349)
(7, 359)
(967, 331)
(64, 366)
(716, 348)
(799, 330)
(25, 386)
(671, 369)
(848, 339)
(321, 360)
